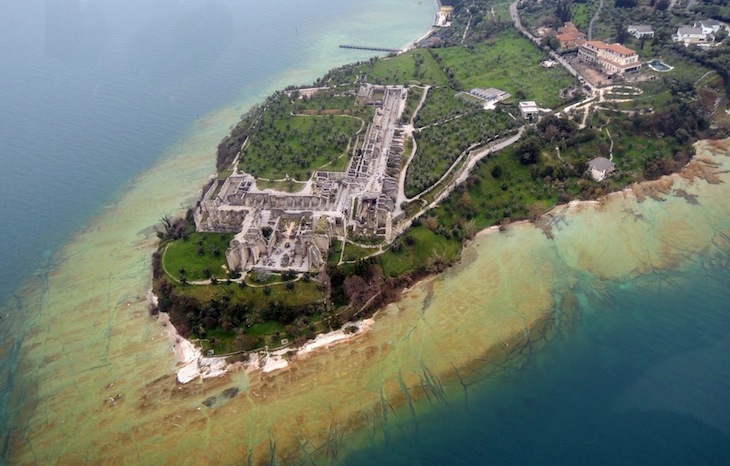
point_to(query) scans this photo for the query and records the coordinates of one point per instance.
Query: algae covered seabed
(96, 378)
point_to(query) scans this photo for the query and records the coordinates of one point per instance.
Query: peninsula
(332, 197)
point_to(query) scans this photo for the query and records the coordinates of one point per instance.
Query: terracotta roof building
(568, 35)
(613, 58)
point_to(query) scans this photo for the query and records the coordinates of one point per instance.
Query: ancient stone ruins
(279, 231)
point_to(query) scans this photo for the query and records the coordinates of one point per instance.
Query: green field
(284, 144)
(417, 250)
(353, 252)
(581, 15)
(200, 255)
(488, 200)
(329, 99)
(439, 146)
(441, 104)
(415, 66)
(414, 97)
(508, 62)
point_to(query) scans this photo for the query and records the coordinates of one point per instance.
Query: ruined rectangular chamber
(279, 231)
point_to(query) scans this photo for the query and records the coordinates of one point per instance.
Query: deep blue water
(94, 91)
(643, 379)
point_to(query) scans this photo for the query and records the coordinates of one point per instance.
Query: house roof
(570, 36)
(528, 106)
(615, 48)
(688, 31)
(601, 164)
(594, 43)
(568, 27)
(569, 33)
(641, 28)
(710, 22)
(620, 49)
(490, 93)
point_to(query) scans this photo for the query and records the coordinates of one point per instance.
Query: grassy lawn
(224, 341)
(254, 309)
(329, 99)
(645, 54)
(353, 252)
(225, 174)
(295, 145)
(415, 66)
(300, 294)
(439, 146)
(334, 253)
(441, 104)
(288, 186)
(579, 15)
(683, 70)
(509, 62)
(419, 247)
(196, 255)
(414, 96)
(513, 194)
(265, 328)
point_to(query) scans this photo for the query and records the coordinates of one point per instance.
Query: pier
(363, 47)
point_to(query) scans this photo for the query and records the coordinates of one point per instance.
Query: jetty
(364, 47)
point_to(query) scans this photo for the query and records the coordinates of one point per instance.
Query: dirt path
(594, 19)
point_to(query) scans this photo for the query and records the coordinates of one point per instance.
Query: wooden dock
(364, 47)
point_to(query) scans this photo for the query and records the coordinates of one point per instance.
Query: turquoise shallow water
(642, 379)
(96, 92)
(636, 371)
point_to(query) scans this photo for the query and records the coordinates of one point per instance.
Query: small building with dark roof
(601, 168)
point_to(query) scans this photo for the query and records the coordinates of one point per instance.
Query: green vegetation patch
(287, 186)
(284, 144)
(197, 257)
(414, 97)
(442, 103)
(418, 250)
(415, 66)
(499, 188)
(354, 252)
(439, 146)
(292, 294)
(340, 100)
(509, 62)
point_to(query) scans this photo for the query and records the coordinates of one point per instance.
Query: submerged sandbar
(501, 301)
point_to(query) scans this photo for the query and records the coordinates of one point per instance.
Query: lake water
(607, 344)
(94, 92)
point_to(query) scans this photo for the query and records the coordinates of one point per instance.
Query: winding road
(594, 19)
(555, 56)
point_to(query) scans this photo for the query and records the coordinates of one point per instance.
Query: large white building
(709, 26)
(693, 36)
(701, 34)
(613, 58)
